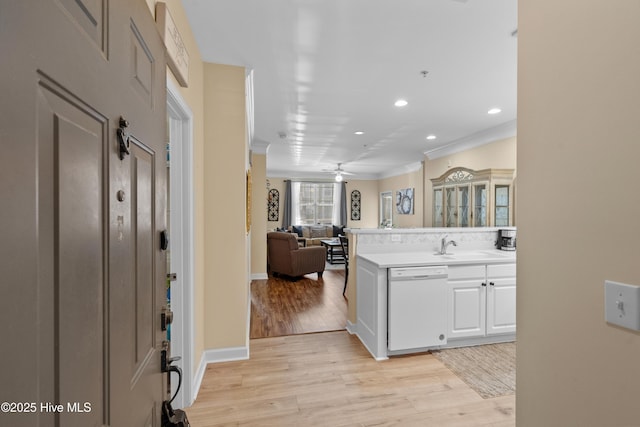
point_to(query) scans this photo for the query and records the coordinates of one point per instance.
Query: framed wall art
(273, 205)
(356, 205)
(404, 201)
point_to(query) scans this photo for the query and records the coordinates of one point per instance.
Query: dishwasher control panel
(413, 272)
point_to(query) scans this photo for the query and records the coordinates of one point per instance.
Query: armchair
(285, 257)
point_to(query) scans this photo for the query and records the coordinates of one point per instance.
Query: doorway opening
(181, 243)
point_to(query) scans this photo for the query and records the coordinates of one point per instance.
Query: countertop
(412, 259)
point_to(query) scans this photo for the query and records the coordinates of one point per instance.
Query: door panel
(83, 274)
(142, 223)
(91, 16)
(71, 142)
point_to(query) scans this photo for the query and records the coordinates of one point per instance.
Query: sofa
(312, 234)
(284, 256)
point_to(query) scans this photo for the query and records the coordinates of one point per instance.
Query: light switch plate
(622, 304)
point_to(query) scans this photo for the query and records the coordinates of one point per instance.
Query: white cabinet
(501, 299)
(482, 300)
(371, 306)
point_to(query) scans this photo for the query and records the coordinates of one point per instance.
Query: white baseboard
(259, 276)
(230, 354)
(352, 328)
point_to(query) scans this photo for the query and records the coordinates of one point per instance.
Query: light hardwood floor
(329, 379)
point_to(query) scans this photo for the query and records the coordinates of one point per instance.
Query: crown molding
(402, 170)
(259, 146)
(503, 131)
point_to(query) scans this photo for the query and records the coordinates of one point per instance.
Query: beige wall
(578, 210)
(226, 248)
(369, 211)
(497, 155)
(194, 97)
(409, 180)
(259, 215)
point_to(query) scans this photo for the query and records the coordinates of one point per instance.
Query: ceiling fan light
(400, 103)
(339, 177)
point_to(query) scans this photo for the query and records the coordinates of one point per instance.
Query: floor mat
(488, 369)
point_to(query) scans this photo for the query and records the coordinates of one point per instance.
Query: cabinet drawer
(501, 270)
(466, 272)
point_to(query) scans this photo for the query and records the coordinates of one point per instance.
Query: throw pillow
(297, 230)
(318, 232)
(306, 231)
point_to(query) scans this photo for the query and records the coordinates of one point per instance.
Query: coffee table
(334, 250)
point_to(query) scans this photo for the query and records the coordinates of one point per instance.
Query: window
(315, 203)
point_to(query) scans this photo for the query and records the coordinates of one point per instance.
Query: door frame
(181, 243)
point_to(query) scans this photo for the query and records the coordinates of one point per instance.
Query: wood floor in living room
(280, 306)
(329, 378)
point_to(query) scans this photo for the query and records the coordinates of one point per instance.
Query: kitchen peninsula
(410, 297)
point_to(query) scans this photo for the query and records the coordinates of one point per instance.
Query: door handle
(123, 139)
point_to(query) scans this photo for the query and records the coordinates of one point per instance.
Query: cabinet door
(501, 299)
(467, 299)
(501, 306)
(438, 208)
(480, 205)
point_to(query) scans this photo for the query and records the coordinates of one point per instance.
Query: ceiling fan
(339, 173)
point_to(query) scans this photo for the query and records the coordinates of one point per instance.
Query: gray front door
(83, 277)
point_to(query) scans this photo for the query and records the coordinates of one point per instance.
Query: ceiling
(325, 69)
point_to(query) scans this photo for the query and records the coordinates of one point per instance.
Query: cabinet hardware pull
(484, 284)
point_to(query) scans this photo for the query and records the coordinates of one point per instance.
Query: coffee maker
(506, 240)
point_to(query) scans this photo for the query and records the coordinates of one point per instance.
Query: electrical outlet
(622, 304)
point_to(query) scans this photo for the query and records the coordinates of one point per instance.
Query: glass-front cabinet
(467, 198)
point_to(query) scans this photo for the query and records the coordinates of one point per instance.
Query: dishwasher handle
(423, 277)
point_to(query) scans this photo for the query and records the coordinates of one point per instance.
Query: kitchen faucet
(444, 244)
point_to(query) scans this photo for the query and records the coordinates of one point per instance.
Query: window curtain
(286, 215)
(339, 215)
(343, 204)
(335, 214)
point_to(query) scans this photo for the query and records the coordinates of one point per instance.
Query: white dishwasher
(417, 307)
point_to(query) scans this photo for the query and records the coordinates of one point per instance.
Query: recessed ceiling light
(359, 132)
(431, 137)
(494, 111)
(400, 103)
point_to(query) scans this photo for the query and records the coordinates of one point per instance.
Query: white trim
(410, 168)
(182, 240)
(352, 328)
(259, 146)
(259, 276)
(230, 354)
